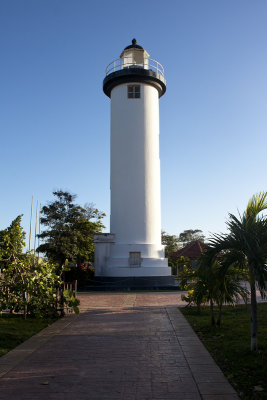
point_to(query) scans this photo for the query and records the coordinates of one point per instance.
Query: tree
(196, 288)
(210, 283)
(93, 213)
(171, 246)
(229, 290)
(183, 263)
(223, 285)
(246, 246)
(11, 256)
(190, 235)
(25, 285)
(12, 242)
(70, 230)
(171, 243)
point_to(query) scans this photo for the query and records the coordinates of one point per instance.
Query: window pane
(134, 92)
(137, 91)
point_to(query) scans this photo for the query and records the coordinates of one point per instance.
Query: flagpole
(39, 230)
(35, 227)
(30, 227)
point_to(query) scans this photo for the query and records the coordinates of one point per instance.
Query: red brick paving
(121, 347)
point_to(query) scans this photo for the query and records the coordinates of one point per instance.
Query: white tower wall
(135, 183)
(135, 167)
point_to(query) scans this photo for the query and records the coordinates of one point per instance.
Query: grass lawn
(230, 347)
(15, 330)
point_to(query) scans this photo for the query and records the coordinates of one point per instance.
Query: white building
(133, 250)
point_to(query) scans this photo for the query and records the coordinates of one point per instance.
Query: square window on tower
(134, 92)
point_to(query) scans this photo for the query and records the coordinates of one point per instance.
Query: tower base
(113, 268)
(134, 283)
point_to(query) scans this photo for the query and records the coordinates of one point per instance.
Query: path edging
(25, 349)
(209, 378)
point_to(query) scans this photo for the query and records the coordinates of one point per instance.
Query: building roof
(192, 250)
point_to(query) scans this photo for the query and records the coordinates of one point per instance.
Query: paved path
(121, 347)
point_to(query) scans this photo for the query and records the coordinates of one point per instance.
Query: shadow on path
(119, 347)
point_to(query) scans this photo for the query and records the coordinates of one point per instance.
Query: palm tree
(212, 283)
(222, 284)
(246, 244)
(208, 276)
(229, 290)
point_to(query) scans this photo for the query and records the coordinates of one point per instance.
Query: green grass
(15, 330)
(230, 347)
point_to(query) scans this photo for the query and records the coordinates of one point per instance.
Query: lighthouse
(132, 255)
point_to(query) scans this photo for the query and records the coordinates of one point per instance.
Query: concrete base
(133, 283)
(112, 260)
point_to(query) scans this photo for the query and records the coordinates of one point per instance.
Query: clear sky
(54, 117)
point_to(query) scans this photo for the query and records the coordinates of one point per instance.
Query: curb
(210, 380)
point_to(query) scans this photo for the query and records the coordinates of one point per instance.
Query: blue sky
(54, 122)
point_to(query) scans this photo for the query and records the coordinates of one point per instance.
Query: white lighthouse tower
(132, 254)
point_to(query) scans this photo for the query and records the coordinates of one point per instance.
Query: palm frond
(256, 205)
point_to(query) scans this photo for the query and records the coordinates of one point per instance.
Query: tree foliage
(12, 242)
(245, 245)
(183, 264)
(171, 243)
(190, 235)
(214, 285)
(69, 230)
(27, 285)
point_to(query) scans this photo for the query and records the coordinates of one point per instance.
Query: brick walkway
(121, 347)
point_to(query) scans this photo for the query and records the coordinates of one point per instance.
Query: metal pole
(39, 229)
(30, 227)
(35, 226)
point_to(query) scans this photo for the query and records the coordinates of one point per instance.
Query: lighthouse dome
(134, 65)
(134, 45)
